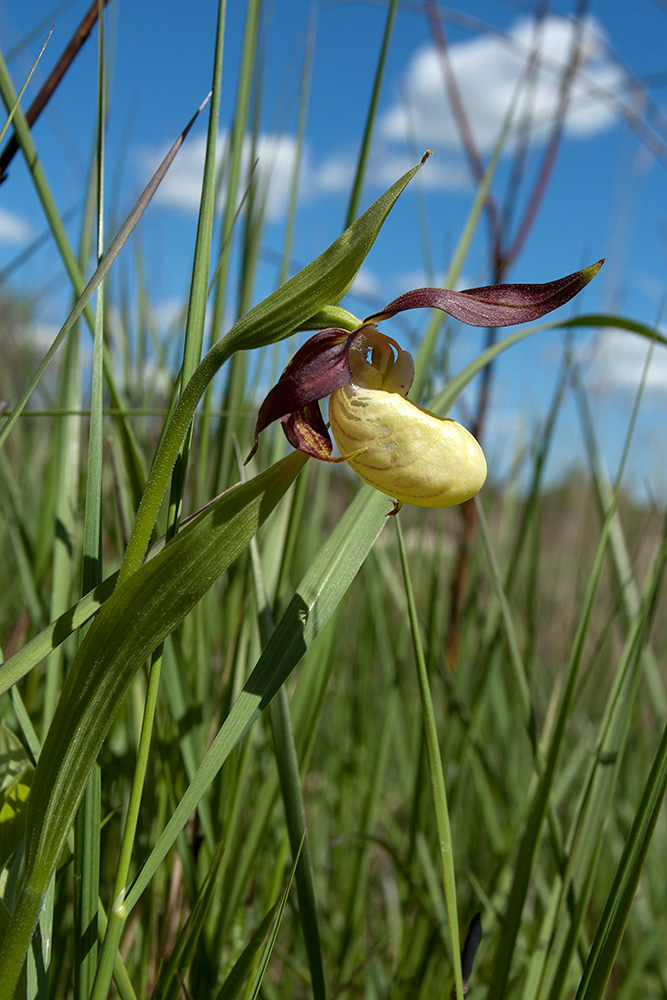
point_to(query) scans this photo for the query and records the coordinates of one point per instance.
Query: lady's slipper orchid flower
(399, 448)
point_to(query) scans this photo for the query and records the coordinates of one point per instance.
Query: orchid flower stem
(287, 764)
(119, 912)
(435, 771)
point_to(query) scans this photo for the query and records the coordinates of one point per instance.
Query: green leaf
(142, 611)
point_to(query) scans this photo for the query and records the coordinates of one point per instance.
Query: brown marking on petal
(306, 431)
(494, 305)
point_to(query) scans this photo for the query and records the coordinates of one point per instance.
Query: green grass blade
(270, 925)
(86, 859)
(169, 986)
(618, 547)
(290, 784)
(273, 936)
(61, 532)
(622, 894)
(17, 102)
(194, 328)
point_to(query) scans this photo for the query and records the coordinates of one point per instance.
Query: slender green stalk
(362, 162)
(436, 774)
(87, 824)
(290, 783)
(621, 896)
(192, 349)
(12, 111)
(118, 915)
(194, 329)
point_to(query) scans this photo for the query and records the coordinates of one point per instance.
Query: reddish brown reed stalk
(55, 76)
(504, 249)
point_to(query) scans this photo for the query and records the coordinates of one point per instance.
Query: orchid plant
(398, 447)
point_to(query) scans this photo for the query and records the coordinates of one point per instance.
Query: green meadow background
(259, 739)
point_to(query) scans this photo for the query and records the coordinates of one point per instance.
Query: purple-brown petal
(494, 305)
(317, 369)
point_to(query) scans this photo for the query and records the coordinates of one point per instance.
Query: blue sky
(606, 196)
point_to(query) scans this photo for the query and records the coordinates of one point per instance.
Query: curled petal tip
(588, 273)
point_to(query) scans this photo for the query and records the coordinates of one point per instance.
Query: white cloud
(170, 312)
(41, 335)
(13, 229)
(335, 174)
(487, 71)
(451, 174)
(275, 155)
(419, 279)
(618, 361)
(367, 284)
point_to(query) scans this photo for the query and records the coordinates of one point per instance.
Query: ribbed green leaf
(141, 613)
